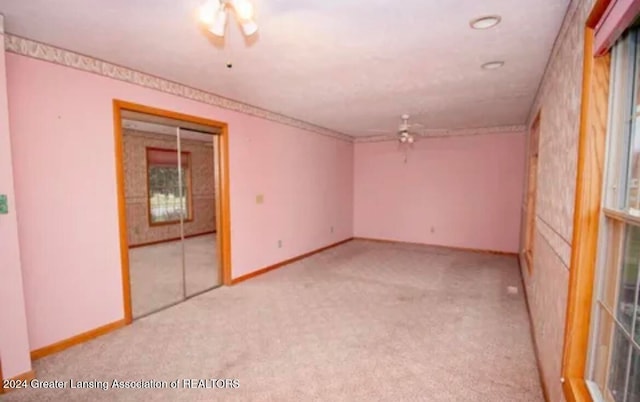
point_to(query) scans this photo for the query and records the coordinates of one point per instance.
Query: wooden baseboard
(282, 263)
(545, 392)
(75, 340)
(151, 243)
(474, 250)
(28, 376)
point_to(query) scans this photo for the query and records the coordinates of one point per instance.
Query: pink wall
(467, 189)
(14, 345)
(63, 149)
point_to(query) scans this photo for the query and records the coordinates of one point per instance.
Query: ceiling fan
(406, 132)
(214, 15)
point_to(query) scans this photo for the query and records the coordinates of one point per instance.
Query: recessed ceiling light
(493, 65)
(485, 22)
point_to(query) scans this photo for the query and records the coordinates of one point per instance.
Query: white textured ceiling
(349, 65)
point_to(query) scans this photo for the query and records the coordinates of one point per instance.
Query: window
(169, 181)
(532, 184)
(614, 359)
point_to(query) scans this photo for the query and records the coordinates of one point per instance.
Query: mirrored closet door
(169, 171)
(200, 251)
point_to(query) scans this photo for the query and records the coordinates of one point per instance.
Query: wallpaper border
(45, 52)
(41, 51)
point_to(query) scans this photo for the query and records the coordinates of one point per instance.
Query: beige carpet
(156, 272)
(360, 322)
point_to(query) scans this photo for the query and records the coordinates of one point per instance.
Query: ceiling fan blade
(373, 130)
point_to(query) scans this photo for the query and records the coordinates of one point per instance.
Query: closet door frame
(223, 220)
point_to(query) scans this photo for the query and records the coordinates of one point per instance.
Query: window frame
(587, 211)
(187, 185)
(619, 221)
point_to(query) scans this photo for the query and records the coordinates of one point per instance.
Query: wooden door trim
(223, 219)
(530, 210)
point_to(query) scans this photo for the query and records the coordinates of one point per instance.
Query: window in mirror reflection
(169, 181)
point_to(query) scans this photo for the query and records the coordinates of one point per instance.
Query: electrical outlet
(279, 243)
(433, 230)
(4, 204)
(331, 229)
(259, 199)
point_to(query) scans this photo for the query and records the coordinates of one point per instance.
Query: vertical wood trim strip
(225, 207)
(532, 191)
(591, 148)
(1, 377)
(122, 213)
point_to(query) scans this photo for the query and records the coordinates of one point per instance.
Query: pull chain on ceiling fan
(214, 14)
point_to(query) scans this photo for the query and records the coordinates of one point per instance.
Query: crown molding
(42, 51)
(439, 133)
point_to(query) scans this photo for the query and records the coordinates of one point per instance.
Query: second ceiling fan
(407, 133)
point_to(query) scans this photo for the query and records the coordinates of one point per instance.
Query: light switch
(4, 204)
(259, 199)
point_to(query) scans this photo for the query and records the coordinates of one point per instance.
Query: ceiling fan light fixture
(249, 27)
(214, 14)
(219, 24)
(243, 8)
(207, 11)
(485, 22)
